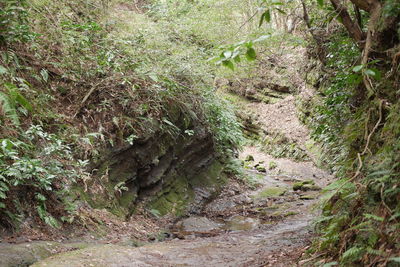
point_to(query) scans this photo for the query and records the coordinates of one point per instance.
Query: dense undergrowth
(360, 132)
(81, 77)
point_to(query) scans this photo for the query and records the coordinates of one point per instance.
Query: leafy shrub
(359, 223)
(97, 77)
(224, 124)
(14, 26)
(37, 162)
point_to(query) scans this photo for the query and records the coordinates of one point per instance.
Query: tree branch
(375, 15)
(358, 16)
(366, 5)
(353, 28)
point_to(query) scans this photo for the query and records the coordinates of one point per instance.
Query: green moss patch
(271, 192)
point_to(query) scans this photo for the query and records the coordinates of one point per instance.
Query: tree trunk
(353, 28)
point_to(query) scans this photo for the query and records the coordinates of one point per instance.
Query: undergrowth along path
(267, 224)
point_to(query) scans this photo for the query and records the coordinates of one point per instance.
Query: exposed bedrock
(169, 170)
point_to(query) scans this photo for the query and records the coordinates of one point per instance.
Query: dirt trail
(266, 225)
(256, 227)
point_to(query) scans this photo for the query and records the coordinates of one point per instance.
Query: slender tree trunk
(353, 28)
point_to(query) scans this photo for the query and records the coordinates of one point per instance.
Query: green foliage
(35, 161)
(224, 124)
(359, 211)
(102, 75)
(352, 254)
(13, 102)
(391, 8)
(333, 112)
(267, 7)
(14, 25)
(233, 53)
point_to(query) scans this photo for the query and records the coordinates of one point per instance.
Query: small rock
(307, 185)
(307, 197)
(243, 199)
(271, 192)
(311, 187)
(193, 225)
(261, 169)
(249, 158)
(231, 193)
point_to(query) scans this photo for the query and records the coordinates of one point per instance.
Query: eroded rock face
(171, 172)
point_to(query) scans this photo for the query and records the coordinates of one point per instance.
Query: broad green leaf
(267, 16)
(23, 102)
(251, 54)
(261, 20)
(358, 68)
(378, 74)
(320, 3)
(369, 72)
(228, 64)
(248, 44)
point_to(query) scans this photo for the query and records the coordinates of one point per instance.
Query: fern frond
(17, 97)
(9, 108)
(352, 254)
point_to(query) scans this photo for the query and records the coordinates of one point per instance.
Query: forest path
(267, 224)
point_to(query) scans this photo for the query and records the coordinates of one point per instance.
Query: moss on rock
(271, 192)
(307, 185)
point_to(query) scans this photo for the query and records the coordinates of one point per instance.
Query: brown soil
(281, 117)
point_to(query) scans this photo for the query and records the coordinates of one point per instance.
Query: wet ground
(268, 224)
